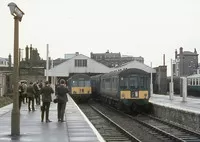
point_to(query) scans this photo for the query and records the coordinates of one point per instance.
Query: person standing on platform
(25, 92)
(30, 95)
(37, 92)
(46, 92)
(61, 94)
(20, 90)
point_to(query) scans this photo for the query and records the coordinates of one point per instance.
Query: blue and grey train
(127, 88)
(80, 87)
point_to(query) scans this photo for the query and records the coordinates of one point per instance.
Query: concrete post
(47, 63)
(151, 83)
(184, 88)
(172, 83)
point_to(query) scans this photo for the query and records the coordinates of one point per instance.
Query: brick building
(186, 62)
(114, 59)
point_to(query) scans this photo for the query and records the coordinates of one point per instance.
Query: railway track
(159, 129)
(109, 130)
(127, 129)
(172, 131)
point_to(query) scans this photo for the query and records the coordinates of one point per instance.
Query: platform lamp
(15, 115)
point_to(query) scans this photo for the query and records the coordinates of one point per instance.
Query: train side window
(114, 84)
(145, 82)
(124, 83)
(108, 84)
(103, 83)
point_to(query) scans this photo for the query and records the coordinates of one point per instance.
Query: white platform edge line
(90, 124)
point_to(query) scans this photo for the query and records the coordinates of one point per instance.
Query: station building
(82, 64)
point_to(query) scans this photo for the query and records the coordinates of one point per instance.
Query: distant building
(68, 56)
(4, 62)
(32, 64)
(114, 59)
(186, 62)
(58, 61)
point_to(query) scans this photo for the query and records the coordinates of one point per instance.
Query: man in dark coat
(46, 92)
(61, 93)
(30, 95)
(21, 91)
(37, 92)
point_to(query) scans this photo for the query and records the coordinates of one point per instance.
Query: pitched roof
(67, 67)
(137, 65)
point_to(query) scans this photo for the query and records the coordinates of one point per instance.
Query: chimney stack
(9, 61)
(27, 53)
(31, 52)
(181, 50)
(195, 51)
(176, 54)
(163, 59)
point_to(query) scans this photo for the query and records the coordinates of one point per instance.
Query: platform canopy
(136, 65)
(193, 76)
(78, 64)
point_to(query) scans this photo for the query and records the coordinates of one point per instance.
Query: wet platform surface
(192, 104)
(76, 128)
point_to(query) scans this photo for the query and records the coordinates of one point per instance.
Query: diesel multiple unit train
(125, 88)
(128, 88)
(80, 87)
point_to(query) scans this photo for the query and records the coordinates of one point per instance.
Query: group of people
(33, 91)
(29, 93)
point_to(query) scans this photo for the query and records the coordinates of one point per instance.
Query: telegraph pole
(47, 63)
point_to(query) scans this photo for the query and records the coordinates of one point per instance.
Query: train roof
(125, 71)
(79, 76)
(96, 76)
(137, 65)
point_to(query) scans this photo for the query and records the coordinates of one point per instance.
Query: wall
(2, 84)
(180, 117)
(32, 78)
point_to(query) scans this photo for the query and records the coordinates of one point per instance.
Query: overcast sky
(147, 28)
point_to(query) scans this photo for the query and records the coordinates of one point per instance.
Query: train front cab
(81, 90)
(134, 91)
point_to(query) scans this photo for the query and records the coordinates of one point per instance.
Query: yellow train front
(80, 87)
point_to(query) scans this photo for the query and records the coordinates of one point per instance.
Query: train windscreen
(133, 82)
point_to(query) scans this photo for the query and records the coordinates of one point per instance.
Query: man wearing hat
(46, 92)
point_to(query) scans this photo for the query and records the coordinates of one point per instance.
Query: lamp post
(171, 95)
(47, 64)
(15, 115)
(151, 83)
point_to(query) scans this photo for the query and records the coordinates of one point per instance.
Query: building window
(80, 63)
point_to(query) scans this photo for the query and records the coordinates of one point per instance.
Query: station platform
(185, 113)
(77, 127)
